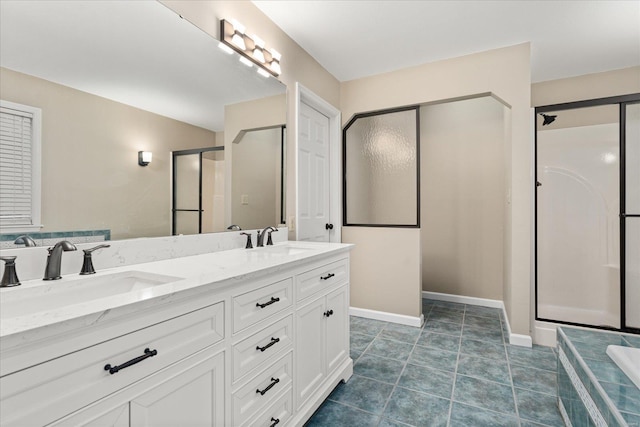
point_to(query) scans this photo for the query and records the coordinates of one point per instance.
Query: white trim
(563, 413)
(545, 333)
(36, 173)
(387, 317)
(514, 339)
(306, 96)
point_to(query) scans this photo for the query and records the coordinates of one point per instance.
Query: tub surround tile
(626, 398)
(631, 419)
(633, 340)
(464, 416)
(484, 394)
(607, 371)
(417, 409)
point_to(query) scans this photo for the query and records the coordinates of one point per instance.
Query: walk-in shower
(587, 201)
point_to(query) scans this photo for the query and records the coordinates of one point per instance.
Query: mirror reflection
(157, 84)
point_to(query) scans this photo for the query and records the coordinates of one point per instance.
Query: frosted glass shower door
(578, 223)
(632, 216)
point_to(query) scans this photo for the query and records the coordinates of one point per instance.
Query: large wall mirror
(117, 77)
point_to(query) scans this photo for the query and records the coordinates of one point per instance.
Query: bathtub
(628, 359)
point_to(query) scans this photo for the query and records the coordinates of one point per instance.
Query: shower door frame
(622, 102)
(174, 173)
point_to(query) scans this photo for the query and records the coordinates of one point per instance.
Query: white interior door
(313, 175)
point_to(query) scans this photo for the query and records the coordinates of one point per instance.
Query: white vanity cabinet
(263, 349)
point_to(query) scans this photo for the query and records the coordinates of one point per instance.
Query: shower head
(548, 119)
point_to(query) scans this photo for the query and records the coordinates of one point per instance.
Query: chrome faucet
(25, 240)
(52, 270)
(261, 236)
(234, 227)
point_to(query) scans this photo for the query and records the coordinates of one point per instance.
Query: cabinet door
(193, 397)
(310, 361)
(96, 416)
(337, 328)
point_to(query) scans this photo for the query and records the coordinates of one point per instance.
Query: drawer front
(277, 414)
(46, 392)
(255, 306)
(261, 347)
(313, 281)
(262, 390)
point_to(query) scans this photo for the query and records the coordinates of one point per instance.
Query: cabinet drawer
(261, 347)
(262, 390)
(312, 281)
(46, 392)
(257, 305)
(277, 414)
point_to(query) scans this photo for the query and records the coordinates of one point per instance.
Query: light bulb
(275, 66)
(258, 54)
(238, 40)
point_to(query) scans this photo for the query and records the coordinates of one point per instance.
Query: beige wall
(382, 268)
(90, 173)
(591, 86)
(504, 73)
(297, 65)
(462, 191)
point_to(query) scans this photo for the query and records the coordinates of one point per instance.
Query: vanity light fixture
(252, 49)
(144, 157)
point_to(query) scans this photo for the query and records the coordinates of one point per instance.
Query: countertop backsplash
(31, 262)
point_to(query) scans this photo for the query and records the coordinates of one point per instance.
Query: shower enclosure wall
(587, 247)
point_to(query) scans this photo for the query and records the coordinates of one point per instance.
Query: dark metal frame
(174, 171)
(622, 102)
(344, 166)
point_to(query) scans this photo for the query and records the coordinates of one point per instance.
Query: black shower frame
(344, 165)
(174, 171)
(622, 102)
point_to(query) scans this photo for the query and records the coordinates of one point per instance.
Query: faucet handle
(10, 277)
(249, 244)
(87, 264)
(269, 241)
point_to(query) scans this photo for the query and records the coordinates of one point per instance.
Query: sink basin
(51, 295)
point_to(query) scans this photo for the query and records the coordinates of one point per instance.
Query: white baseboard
(387, 317)
(514, 339)
(545, 333)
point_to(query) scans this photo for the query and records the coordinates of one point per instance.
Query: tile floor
(455, 371)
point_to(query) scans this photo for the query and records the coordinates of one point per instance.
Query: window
(381, 173)
(19, 167)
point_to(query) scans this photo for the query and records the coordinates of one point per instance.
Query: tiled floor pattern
(456, 370)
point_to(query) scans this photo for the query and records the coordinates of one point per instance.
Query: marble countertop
(192, 272)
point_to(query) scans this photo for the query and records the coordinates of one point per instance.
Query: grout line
(513, 388)
(455, 371)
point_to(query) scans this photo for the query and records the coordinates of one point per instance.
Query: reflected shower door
(631, 218)
(578, 232)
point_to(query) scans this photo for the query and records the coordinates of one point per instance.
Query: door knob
(328, 226)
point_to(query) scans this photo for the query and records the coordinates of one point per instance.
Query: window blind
(16, 167)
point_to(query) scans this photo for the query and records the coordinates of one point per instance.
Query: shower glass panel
(381, 169)
(632, 215)
(578, 206)
(186, 194)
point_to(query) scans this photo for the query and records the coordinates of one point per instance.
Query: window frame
(344, 165)
(36, 171)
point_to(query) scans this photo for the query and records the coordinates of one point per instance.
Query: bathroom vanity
(231, 338)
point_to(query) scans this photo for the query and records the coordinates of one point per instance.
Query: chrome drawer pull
(273, 341)
(274, 381)
(271, 301)
(275, 421)
(327, 277)
(147, 354)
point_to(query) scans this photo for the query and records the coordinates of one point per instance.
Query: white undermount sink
(287, 249)
(56, 294)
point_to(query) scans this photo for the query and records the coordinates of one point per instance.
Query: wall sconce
(144, 157)
(251, 49)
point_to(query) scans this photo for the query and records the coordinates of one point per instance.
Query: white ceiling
(138, 53)
(354, 39)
